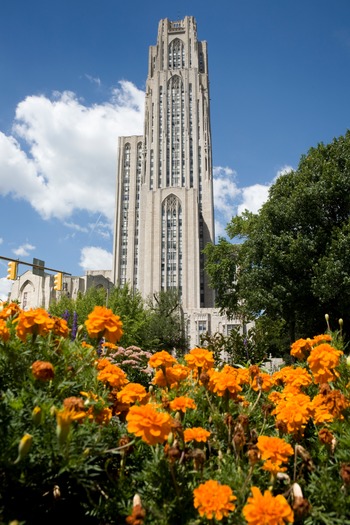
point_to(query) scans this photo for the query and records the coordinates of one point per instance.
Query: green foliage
(165, 325)
(130, 307)
(237, 348)
(294, 259)
(221, 265)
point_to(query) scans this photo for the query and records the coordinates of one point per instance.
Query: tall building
(164, 195)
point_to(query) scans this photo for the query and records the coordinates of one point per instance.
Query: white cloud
(225, 191)
(76, 227)
(95, 258)
(283, 171)
(253, 197)
(1, 240)
(5, 288)
(93, 80)
(231, 200)
(23, 250)
(62, 155)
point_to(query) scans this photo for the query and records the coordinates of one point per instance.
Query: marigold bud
(24, 447)
(37, 416)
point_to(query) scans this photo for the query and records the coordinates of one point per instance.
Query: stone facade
(34, 291)
(164, 191)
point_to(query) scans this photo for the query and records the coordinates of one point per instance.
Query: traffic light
(12, 270)
(58, 281)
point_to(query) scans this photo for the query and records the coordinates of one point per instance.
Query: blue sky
(73, 75)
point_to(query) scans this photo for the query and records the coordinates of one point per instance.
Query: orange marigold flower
(224, 381)
(147, 423)
(131, 393)
(173, 375)
(35, 322)
(113, 375)
(102, 363)
(323, 338)
(262, 381)
(214, 500)
(322, 361)
(43, 370)
(4, 331)
(301, 348)
(329, 406)
(200, 358)
(274, 451)
(60, 327)
(84, 344)
(110, 346)
(162, 358)
(243, 375)
(267, 509)
(74, 403)
(320, 410)
(292, 377)
(182, 403)
(294, 411)
(102, 322)
(196, 434)
(8, 310)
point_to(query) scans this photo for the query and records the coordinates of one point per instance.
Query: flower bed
(87, 438)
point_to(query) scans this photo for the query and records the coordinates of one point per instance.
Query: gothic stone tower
(164, 201)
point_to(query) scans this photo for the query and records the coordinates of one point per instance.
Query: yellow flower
(274, 451)
(200, 358)
(322, 361)
(182, 403)
(267, 509)
(196, 434)
(161, 359)
(214, 500)
(64, 419)
(102, 322)
(147, 423)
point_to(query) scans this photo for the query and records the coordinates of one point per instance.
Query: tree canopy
(294, 259)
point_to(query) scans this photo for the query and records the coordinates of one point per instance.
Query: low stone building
(34, 291)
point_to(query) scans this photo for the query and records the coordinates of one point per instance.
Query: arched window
(176, 54)
(175, 132)
(124, 213)
(171, 270)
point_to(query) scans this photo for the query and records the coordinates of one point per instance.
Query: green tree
(294, 259)
(130, 306)
(166, 325)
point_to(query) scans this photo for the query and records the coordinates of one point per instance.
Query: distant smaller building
(35, 291)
